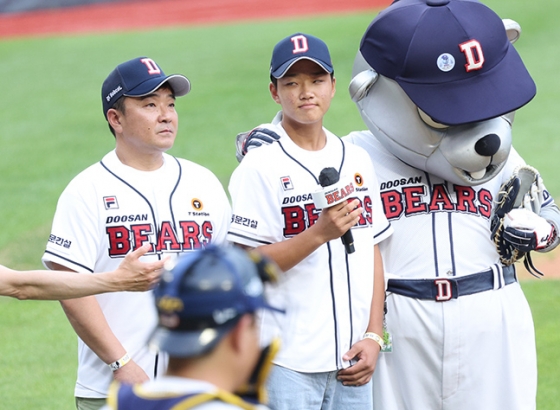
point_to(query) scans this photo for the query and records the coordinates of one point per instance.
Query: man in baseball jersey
(334, 298)
(137, 194)
(207, 305)
(131, 275)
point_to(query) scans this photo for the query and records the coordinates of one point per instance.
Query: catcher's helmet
(202, 296)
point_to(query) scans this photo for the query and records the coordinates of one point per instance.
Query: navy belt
(443, 289)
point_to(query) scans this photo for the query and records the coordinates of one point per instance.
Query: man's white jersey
(110, 209)
(328, 295)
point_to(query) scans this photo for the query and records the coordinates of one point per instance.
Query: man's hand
(365, 352)
(130, 373)
(134, 275)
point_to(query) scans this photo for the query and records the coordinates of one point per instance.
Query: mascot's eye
(430, 122)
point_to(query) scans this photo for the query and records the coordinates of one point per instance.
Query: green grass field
(52, 127)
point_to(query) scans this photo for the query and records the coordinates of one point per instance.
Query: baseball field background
(52, 127)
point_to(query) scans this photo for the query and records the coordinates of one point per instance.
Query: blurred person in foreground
(208, 304)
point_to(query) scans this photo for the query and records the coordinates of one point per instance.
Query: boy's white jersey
(328, 295)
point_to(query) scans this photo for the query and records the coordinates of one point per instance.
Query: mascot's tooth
(478, 174)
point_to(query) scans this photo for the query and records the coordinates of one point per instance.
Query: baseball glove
(245, 141)
(516, 225)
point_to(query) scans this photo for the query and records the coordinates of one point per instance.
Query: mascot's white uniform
(437, 83)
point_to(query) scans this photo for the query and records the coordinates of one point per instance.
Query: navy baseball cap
(297, 47)
(201, 298)
(138, 77)
(451, 57)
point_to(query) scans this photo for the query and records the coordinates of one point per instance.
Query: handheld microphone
(329, 176)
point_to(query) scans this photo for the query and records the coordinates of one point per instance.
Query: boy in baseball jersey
(136, 194)
(334, 299)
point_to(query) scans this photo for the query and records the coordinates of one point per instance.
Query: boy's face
(305, 92)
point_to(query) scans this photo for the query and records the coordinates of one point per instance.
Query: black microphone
(329, 176)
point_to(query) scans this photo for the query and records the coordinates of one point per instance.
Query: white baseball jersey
(328, 295)
(472, 352)
(110, 209)
(168, 393)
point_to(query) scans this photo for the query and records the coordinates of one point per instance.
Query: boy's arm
(366, 351)
(332, 223)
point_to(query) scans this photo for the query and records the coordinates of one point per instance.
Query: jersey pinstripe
(110, 209)
(327, 295)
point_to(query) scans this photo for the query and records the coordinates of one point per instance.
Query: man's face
(149, 124)
(305, 92)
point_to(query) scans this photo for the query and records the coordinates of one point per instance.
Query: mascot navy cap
(137, 78)
(200, 299)
(297, 47)
(451, 57)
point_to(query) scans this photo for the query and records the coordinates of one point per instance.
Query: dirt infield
(128, 15)
(148, 14)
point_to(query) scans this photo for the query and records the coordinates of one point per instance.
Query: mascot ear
(513, 30)
(361, 83)
(363, 77)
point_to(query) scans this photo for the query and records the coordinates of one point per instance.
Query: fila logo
(286, 183)
(152, 66)
(110, 202)
(300, 44)
(473, 54)
(444, 290)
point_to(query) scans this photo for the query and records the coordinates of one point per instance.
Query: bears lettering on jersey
(417, 199)
(299, 217)
(189, 235)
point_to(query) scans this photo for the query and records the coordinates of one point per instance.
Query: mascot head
(437, 82)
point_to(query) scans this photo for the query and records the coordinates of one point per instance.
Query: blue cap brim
(187, 343)
(281, 71)
(180, 84)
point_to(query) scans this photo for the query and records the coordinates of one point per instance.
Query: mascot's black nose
(487, 145)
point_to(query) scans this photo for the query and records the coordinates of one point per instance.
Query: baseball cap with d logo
(139, 77)
(297, 47)
(451, 57)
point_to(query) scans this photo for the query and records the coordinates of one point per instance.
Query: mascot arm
(245, 141)
(522, 222)
(530, 226)
(551, 214)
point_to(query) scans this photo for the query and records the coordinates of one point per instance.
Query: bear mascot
(437, 83)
